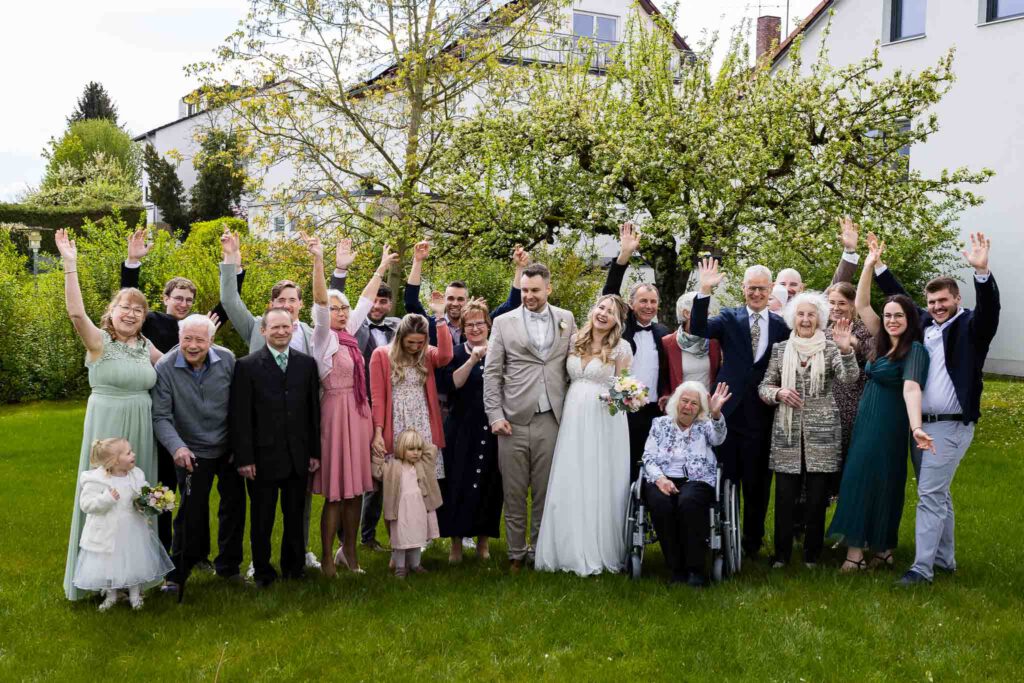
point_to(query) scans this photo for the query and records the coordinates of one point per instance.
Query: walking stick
(184, 536)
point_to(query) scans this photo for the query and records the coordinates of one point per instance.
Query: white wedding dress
(585, 508)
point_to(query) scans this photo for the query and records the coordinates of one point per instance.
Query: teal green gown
(875, 477)
(119, 405)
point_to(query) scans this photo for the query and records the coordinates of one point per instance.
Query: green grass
(476, 621)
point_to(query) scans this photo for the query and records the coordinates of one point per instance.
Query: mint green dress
(119, 405)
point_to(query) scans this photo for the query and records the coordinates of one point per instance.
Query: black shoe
(912, 578)
(945, 570)
(205, 566)
(259, 584)
(374, 545)
(696, 580)
(170, 588)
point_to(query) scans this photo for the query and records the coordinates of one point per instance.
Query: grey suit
(520, 379)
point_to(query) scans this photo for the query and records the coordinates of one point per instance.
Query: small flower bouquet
(626, 393)
(154, 500)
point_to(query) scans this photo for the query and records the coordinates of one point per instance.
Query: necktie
(755, 332)
(282, 361)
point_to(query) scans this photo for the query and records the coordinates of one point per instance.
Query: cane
(184, 536)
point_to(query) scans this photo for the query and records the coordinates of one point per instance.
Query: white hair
(672, 407)
(817, 299)
(197, 320)
(757, 271)
(791, 271)
(685, 303)
(339, 295)
(781, 293)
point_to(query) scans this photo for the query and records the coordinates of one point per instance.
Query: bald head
(790, 279)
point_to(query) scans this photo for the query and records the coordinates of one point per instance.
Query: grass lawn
(477, 621)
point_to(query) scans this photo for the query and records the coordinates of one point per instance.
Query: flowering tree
(750, 164)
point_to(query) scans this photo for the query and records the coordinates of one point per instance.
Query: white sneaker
(110, 599)
(250, 573)
(135, 597)
(468, 543)
(312, 562)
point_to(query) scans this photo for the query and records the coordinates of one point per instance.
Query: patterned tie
(755, 332)
(282, 361)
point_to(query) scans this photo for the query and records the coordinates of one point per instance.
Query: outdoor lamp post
(35, 240)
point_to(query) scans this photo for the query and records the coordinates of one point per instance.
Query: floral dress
(409, 410)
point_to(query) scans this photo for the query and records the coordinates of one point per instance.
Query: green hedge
(52, 218)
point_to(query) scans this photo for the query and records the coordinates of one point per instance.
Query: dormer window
(600, 28)
(1003, 9)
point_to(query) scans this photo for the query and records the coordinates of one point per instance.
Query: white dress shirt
(939, 397)
(645, 365)
(298, 341)
(540, 327)
(762, 321)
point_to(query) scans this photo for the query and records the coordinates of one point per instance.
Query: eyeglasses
(338, 309)
(473, 326)
(893, 316)
(137, 310)
(753, 289)
(182, 300)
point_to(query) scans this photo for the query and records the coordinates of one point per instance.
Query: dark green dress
(875, 477)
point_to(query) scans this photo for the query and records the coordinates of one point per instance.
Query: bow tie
(644, 328)
(542, 317)
(382, 327)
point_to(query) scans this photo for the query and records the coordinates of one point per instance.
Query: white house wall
(980, 126)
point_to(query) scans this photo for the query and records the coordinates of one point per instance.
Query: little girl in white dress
(119, 548)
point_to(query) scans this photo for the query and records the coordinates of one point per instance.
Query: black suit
(744, 454)
(640, 421)
(275, 425)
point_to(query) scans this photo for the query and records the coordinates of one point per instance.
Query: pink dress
(345, 433)
(414, 526)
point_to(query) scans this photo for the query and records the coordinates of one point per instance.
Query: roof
(811, 18)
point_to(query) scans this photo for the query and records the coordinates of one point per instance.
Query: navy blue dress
(471, 487)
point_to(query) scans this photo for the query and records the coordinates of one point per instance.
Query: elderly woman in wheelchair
(681, 473)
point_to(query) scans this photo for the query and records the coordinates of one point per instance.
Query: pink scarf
(358, 371)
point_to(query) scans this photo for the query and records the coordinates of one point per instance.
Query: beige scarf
(797, 350)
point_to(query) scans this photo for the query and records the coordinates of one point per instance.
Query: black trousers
(744, 456)
(192, 522)
(682, 523)
(639, 429)
(166, 475)
(787, 492)
(263, 495)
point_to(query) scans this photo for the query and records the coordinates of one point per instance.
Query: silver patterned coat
(816, 428)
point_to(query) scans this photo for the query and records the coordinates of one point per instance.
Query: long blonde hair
(412, 323)
(585, 336)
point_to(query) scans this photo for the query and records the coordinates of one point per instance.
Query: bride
(585, 508)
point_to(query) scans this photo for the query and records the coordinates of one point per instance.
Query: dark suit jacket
(613, 285)
(274, 415)
(732, 329)
(966, 340)
(363, 336)
(162, 328)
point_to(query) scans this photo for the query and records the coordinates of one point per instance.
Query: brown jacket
(389, 472)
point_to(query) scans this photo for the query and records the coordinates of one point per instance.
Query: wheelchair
(724, 529)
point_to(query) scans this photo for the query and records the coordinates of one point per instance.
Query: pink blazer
(380, 388)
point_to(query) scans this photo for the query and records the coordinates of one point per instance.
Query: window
(594, 26)
(280, 224)
(1003, 9)
(907, 19)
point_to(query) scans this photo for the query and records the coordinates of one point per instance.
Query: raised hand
(708, 275)
(520, 257)
(718, 399)
(215, 319)
(137, 247)
(388, 258)
(229, 246)
(848, 233)
(421, 251)
(875, 251)
(344, 255)
(480, 350)
(629, 238)
(977, 255)
(313, 245)
(437, 303)
(66, 247)
(841, 335)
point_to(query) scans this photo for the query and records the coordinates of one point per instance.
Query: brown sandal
(854, 566)
(885, 560)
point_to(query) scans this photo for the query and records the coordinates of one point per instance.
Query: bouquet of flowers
(153, 500)
(625, 393)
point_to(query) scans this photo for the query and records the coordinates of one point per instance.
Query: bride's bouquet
(153, 500)
(625, 393)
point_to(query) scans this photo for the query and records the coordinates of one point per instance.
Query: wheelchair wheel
(731, 528)
(636, 562)
(717, 569)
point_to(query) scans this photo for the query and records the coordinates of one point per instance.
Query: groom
(524, 387)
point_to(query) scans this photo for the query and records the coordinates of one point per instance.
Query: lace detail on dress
(118, 350)
(596, 371)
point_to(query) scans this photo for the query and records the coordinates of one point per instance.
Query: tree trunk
(671, 281)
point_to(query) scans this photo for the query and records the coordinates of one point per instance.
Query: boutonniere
(562, 326)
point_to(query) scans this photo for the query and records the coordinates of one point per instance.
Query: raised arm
(863, 300)
(849, 233)
(411, 295)
(137, 250)
(87, 331)
(344, 255)
(629, 240)
(709, 277)
(238, 314)
(316, 249)
(441, 355)
(387, 259)
(844, 363)
(985, 321)
(521, 259)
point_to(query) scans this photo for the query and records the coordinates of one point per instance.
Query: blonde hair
(412, 323)
(410, 440)
(103, 452)
(133, 296)
(672, 407)
(586, 334)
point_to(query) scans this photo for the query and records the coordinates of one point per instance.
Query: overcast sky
(137, 49)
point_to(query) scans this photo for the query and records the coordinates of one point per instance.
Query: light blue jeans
(933, 527)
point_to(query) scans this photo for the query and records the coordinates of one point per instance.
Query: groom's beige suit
(525, 381)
